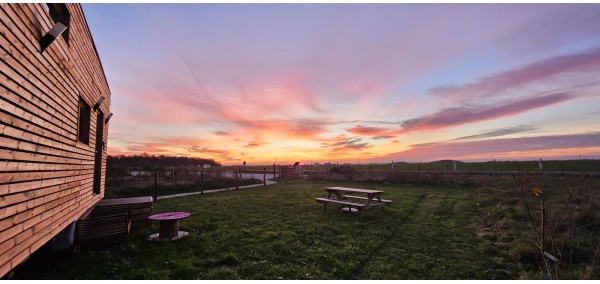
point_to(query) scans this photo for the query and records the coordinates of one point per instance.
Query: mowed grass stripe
(437, 242)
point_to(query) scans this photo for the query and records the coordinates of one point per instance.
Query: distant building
(55, 106)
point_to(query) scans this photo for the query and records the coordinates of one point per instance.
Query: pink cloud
(463, 115)
(258, 125)
(485, 148)
(541, 70)
(372, 131)
(151, 148)
(345, 144)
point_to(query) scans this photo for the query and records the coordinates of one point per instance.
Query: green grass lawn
(280, 232)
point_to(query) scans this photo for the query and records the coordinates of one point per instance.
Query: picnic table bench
(351, 203)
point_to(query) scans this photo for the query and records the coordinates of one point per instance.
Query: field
(280, 232)
(584, 165)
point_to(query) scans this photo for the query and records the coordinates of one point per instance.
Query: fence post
(285, 172)
(273, 170)
(486, 181)
(237, 184)
(264, 176)
(201, 182)
(155, 185)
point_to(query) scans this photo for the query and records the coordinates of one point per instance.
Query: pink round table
(169, 224)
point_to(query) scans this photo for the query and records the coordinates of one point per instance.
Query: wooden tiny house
(53, 130)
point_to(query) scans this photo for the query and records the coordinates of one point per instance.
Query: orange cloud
(221, 154)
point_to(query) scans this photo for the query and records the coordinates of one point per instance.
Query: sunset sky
(351, 82)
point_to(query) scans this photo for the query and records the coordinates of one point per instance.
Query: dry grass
(508, 222)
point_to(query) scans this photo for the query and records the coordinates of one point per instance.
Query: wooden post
(486, 181)
(264, 176)
(285, 172)
(274, 171)
(201, 182)
(543, 229)
(562, 170)
(237, 184)
(155, 185)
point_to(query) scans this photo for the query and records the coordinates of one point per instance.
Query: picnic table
(353, 203)
(169, 225)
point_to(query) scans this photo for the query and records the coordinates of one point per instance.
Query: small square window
(83, 127)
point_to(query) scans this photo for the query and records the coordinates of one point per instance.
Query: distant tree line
(146, 161)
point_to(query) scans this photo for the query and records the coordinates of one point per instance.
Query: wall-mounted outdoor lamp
(108, 118)
(97, 105)
(54, 32)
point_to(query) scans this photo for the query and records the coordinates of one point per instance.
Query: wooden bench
(140, 208)
(365, 198)
(106, 210)
(103, 221)
(102, 226)
(358, 206)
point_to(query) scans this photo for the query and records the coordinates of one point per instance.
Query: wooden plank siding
(46, 174)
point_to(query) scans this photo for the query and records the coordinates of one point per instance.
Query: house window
(83, 127)
(60, 14)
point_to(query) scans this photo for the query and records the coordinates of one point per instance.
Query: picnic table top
(169, 216)
(356, 190)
